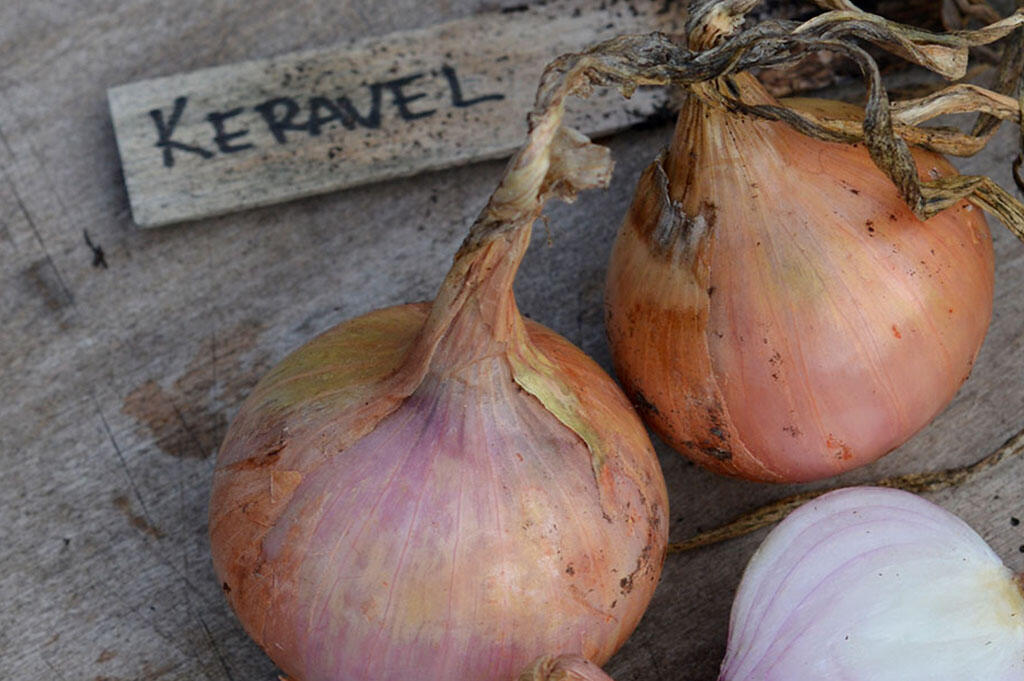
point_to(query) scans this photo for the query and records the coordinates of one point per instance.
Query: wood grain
(259, 132)
(117, 381)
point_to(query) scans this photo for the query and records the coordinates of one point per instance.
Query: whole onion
(774, 308)
(875, 584)
(444, 491)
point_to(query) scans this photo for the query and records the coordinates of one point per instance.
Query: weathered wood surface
(118, 381)
(264, 131)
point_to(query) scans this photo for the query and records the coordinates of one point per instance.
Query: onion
(775, 309)
(875, 584)
(444, 491)
(563, 668)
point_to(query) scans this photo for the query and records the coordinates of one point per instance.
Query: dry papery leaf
(717, 48)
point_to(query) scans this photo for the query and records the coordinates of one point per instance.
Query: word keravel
(380, 107)
(286, 117)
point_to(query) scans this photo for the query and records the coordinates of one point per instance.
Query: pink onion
(774, 308)
(875, 584)
(443, 491)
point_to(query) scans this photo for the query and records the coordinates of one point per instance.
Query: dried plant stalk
(959, 13)
(882, 129)
(717, 49)
(918, 483)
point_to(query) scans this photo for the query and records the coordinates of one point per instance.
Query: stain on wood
(44, 281)
(138, 521)
(187, 419)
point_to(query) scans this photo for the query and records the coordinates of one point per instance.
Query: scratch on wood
(51, 185)
(212, 641)
(43, 279)
(7, 146)
(172, 641)
(32, 225)
(144, 522)
(149, 672)
(52, 669)
(216, 650)
(139, 522)
(147, 524)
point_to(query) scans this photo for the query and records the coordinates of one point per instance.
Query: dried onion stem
(918, 483)
(957, 13)
(718, 49)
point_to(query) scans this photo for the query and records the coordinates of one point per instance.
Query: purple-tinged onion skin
(455, 533)
(875, 584)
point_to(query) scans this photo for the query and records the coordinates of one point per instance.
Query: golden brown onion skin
(458, 536)
(776, 311)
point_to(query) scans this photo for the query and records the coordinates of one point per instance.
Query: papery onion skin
(875, 584)
(456, 537)
(563, 668)
(777, 313)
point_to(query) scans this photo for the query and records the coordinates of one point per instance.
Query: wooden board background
(118, 382)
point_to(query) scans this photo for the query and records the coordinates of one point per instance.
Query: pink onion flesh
(875, 584)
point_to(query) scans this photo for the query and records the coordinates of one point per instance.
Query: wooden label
(233, 137)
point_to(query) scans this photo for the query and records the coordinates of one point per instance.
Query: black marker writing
(322, 111)
(222, 138)
(278, 125)
(286, 117)
(165, 130)
(370, 120)
(403, 100)
(457, 99)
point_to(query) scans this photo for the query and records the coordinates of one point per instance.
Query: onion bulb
(875, 584)
(776, 311)
(563, 668)
(443, 491)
